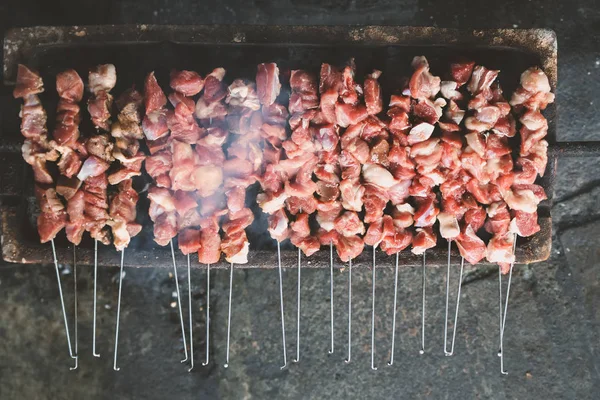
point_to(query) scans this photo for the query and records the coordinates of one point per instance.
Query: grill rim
(21, 43)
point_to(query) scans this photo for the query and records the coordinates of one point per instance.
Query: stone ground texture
(552, 335)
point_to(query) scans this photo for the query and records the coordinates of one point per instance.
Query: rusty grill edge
(25, 44)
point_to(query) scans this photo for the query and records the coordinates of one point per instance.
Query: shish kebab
(176, 157)
(127, 134)
(509, 195)
(101, 80)
(272, 198)
(37, 151)
(170, 164)
(289, 163)
(87, 204)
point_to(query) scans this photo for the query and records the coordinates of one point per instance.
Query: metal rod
(462, 265)
(349, 312)
(205, 363)
(62, 301)
(297, 359)
(179, 303)
(75, 306)
(118, 313)
(331, 291)
(422, 351)
(373, 367)
(512, 264)
(446, 352)
(190, 311)
(95, 296)
(391, 362)
(229, 315)
(500, 311)
(281, 305)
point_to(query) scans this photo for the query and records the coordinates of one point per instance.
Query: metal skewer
(422, 351)
(512, 264)
(95, 288)
(229, 315)
(373, 367)
(391, 362)
(462, 265)
(331, 291)
(179, 303)
(118, 313)
(62, 301)
(281, 305)
(190, 311)
(75, 317)
(205, 363)
(297, 359)
(347, 360)
(446, 353)
(500, 310)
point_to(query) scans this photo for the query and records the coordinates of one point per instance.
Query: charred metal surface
(22, 44)
(16, 248)
(138, 49)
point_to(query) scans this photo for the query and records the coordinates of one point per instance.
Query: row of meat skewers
(327, 164)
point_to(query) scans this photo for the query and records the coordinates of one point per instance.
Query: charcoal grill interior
(137, 50)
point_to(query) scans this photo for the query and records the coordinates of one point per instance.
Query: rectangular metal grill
(138, 49)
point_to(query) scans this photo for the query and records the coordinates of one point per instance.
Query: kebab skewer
(287, 177)
(488, 163)
(184, 128)
(69, 87)
(426, 154)
(339, 108)
(299, 189)
(123, 215)
(364, 141)
(173, 174)
(211, 111)
(127, 133)
(391, 232)
(37, 151)
(453, 188)
(532, 96)
(274, 175)
(101, 80)
(272, 130)
(241, 169)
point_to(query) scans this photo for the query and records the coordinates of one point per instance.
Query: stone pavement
(553, 320)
